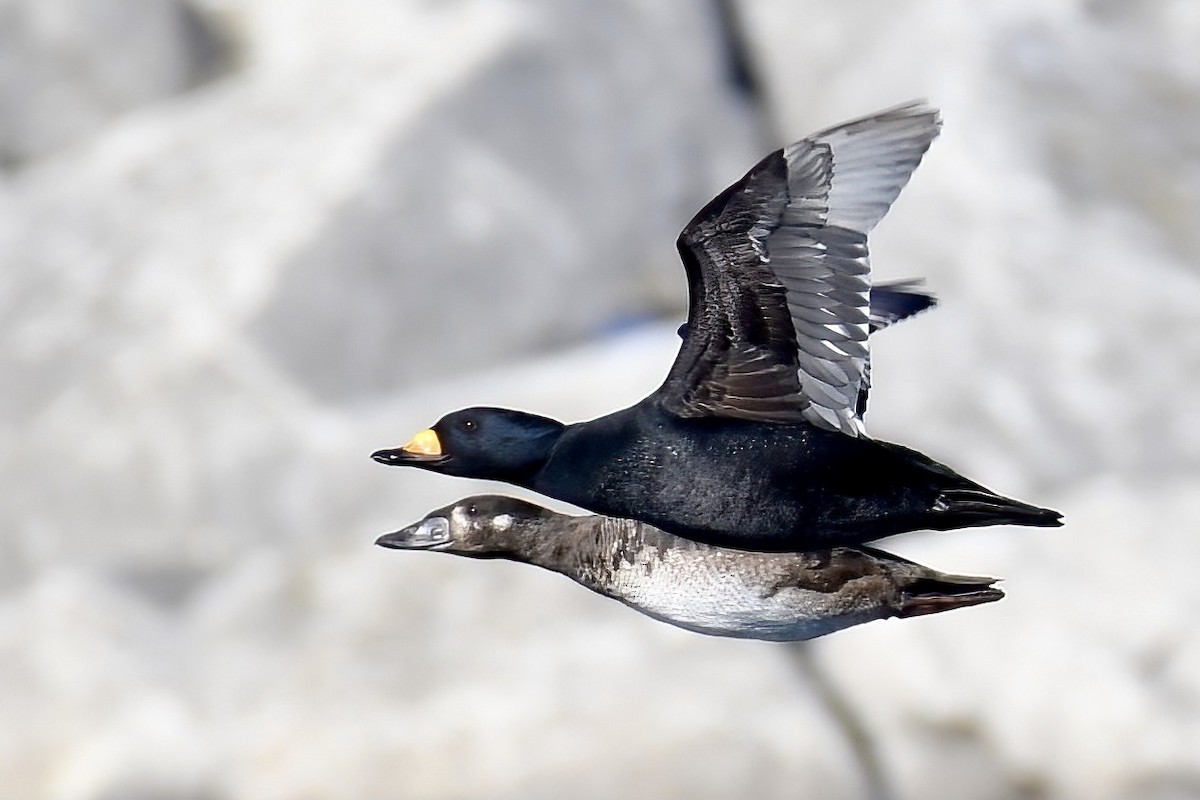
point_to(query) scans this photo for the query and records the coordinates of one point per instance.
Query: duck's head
(484, 526)
(494, 443)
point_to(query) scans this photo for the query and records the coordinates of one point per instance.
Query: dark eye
(472, 510)
(469, 424)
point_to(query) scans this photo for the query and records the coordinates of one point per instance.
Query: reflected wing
(779, 277)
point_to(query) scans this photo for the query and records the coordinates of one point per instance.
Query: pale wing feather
(780, 277)
(824, 262)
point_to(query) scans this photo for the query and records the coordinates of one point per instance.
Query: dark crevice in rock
(741, 67)
(744, 74)
(211, 49)
(878, 785)
(167, 586)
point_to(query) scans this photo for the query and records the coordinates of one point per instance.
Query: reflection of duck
(713, 590)
(755, 439)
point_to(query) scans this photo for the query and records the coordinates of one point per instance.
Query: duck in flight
(755, 440)
(712, 590)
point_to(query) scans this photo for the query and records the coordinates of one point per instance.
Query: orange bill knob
(424, 443)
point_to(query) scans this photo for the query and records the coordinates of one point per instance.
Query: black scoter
(756, 439)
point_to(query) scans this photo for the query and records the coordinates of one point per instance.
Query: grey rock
(67, 67)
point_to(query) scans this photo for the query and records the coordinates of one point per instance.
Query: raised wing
(780, 281)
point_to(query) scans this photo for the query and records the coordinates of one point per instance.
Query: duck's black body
(778, 486)
(728, 482)
(756, 438)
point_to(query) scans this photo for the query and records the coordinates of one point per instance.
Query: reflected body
(710, 590)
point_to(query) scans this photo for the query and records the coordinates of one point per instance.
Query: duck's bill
(424, 449)
(428, 534)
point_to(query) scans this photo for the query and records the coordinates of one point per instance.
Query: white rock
(1076, 685)
(209, 316)
(184, 294)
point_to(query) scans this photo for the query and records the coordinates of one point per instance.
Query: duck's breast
(730, 593)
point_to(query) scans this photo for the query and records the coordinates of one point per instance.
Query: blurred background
(247, 242)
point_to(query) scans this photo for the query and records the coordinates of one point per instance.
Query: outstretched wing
(780, 281)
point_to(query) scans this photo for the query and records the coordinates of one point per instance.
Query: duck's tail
(947, 500)
(941, 592)
(967, 508)
(921, 590)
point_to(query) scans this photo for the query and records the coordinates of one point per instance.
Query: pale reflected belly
(717, 598)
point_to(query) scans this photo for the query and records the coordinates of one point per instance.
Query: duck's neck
(525, 457)
(591, 549)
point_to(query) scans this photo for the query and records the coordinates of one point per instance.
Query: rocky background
(247, 242)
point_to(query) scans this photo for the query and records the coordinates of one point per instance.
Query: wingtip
(898, 300)
(916, 109)
(919, 109)
(866, 162)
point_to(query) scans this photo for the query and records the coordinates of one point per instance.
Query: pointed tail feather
(966, 508)
(926, 591)
(944, 592)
